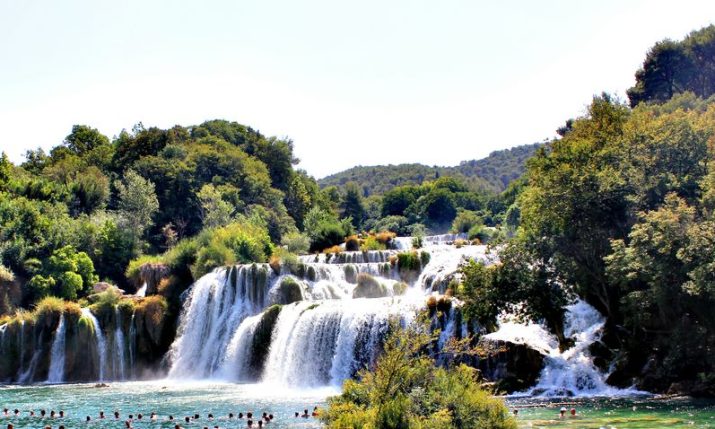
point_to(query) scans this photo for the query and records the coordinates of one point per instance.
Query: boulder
(512, 367)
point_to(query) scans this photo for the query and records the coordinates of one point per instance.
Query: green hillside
(493, 173)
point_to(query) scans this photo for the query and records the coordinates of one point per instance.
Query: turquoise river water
(183, 399)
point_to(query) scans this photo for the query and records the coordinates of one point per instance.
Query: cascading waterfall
(316, 345)
(567, 373)
(57, 357)
(118, 361)
(321, 340)
(101, 342)
(217, 304)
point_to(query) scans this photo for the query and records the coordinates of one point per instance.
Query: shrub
(409, 261)
(352, 243)
(334, 250)
(478, 232)
(385, 237)
(327, 235)
(407, 389)
(372, 243)
(296, 242)
(465, 221)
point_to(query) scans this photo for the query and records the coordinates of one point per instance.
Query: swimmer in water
(573, 412)
(116, 415)
(562, 412)
(101, 415)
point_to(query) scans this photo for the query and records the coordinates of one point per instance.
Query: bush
(385, 237)
(296, 242)
(352, 243)
(327, 235)
(478, 232)
(407, 389)
(372, 243)
(409, 261)
(465, 221)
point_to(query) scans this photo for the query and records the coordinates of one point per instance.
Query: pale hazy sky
(352, 83)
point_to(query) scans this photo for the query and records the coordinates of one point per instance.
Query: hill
(493, 173)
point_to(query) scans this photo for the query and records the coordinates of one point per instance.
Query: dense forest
(191, 198)
(493, 173)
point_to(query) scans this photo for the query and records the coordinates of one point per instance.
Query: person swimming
(88, 419)
(139, 416)
(10, 426)
(52, 414)
(230, 416)
(240, 416)
(101, 414)
(116, 415)
(187, 419)
(211, 416)
(62, 414)
(16, 411)
(516, 412)
(573, 412)
(260, 423)
(305, 414)
(562, 412)
(297, 414)
(250, 423)
(42, 413)
(171, 417)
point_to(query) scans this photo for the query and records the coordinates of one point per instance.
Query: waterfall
(132, 344)
(141, 292)
(101, 342)
(118, 363)
(56, 372)
(567, 373)
(217, 304)
(324, 338)
(320, 344)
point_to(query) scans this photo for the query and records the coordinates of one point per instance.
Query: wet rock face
(152, 274)
(511, 367)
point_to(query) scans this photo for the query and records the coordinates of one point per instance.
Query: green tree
(214, 210)
(353, 206)
(137, 203)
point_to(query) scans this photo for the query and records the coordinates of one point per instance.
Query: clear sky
(352, 83)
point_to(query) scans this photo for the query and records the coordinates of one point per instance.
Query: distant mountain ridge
(493, 173)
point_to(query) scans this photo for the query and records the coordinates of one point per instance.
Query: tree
(84, 139)
(66, 274)
(353, 206)
(137, 203)
(214, 210)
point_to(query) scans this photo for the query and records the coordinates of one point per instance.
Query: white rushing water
(101, 342)
(119, 364)
(56, 372)
(567, 373)
(319, 341)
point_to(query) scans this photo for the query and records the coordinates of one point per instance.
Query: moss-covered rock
(369, 287)
(262, 339)
(288, 291)
(350, 273)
